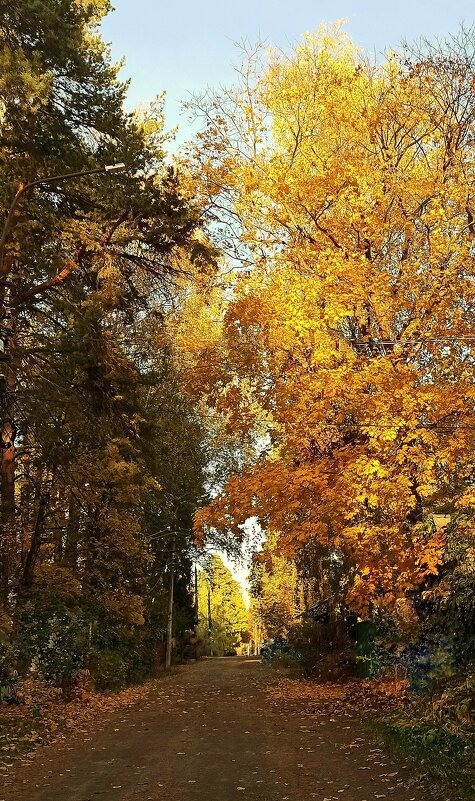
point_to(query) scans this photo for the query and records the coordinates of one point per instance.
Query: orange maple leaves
(348, 344)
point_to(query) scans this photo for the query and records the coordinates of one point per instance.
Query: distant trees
(275, 594)
(223, 617)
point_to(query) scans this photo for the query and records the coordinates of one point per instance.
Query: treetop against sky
(185, 47)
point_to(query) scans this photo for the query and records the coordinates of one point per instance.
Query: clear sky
(187, 45)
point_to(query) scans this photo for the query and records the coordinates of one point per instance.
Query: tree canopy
(344, 352)
(102, 454)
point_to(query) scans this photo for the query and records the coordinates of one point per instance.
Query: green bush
(59, 641)
(60, 651)
(9, 675)
(109, 670)
(121, 655)
(53, 639)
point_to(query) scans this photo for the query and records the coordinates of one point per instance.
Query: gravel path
(219, 729)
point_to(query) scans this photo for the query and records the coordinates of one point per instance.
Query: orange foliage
(345, 354)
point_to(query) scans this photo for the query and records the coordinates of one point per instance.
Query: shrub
(323, 648)
(280, 651)
(60, 651)
(9, 675)
(109, 670)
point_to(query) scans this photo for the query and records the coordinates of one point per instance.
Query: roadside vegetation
(343, 365)
(103, 457)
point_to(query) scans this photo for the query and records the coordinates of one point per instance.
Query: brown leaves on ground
(349, 697)
(21, 731)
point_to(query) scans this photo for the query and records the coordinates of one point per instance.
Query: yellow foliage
(124, 608)
(346, 351)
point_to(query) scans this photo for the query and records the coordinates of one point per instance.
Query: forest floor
(218, 729)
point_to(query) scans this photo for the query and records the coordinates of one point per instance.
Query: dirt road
(219, 729)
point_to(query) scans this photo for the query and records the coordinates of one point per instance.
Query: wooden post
(197, 611)
(168, 654)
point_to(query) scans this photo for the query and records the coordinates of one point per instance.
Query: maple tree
(343, 355)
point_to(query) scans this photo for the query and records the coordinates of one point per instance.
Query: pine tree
(99, 446)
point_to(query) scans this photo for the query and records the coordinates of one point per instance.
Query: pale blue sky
(185, 46)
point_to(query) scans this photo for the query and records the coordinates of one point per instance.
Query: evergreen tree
(99, 448)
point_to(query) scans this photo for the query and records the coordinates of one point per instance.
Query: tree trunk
(7, 485)
(26, 502)
(72, 533)
(35, 545)
(7, 435)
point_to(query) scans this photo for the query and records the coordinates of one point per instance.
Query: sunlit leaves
(348, 343)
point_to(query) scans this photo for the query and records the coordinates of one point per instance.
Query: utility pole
(197, 610)
(168, 654)
(210, 622)
(8, 379)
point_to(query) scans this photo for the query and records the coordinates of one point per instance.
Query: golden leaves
(349, 362)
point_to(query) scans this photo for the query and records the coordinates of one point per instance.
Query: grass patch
(447, 757)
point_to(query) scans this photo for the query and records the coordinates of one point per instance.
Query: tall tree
(101, 451)
(349, 342)
(81, 258)
(223, 614)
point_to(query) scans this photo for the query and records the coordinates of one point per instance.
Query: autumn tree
(275, 592)
(223, 614)
(347, 332)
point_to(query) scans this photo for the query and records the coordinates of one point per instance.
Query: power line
(402, 342)
(445, 427)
